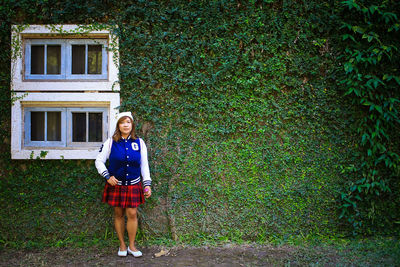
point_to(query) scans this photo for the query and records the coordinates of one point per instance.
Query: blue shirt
(125, 160)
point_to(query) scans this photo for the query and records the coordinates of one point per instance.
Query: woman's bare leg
(119, 222)
(132, 226)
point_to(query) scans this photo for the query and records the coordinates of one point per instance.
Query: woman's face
(125, 126)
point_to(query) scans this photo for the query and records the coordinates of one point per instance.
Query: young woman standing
(127, 176)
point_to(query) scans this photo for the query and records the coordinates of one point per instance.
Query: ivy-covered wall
(249, 132)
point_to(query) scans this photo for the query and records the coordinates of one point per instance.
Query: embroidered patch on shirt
(135, 147)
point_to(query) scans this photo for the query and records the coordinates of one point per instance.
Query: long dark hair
(117, 133)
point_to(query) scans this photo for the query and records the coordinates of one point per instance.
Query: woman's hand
(147, 191)
(112, 181)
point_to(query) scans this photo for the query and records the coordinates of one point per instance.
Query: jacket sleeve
(102, 157)
(144, 164)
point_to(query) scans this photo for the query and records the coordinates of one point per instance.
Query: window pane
(94, 59)
(53, 126)
(54, 59)
(78, 127)
(37, 126)
(95, 127)
(37, 59)
(78, 59)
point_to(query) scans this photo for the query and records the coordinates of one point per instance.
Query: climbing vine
(253, 113)
(370, 39)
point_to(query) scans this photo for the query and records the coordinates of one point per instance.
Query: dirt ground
(228, 255)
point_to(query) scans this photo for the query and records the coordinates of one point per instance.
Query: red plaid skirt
(124, 196)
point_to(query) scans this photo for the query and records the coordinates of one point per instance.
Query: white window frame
(27, 137)
(57, 91)
(66, 59)
(28, 62)
(66, 127)
(70, 143)
(86, 42)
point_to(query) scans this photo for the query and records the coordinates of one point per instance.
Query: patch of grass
(365, 251)
(378, 251)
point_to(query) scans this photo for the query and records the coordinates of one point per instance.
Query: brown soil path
(228, 255)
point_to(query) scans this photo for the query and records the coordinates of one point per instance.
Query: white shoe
(122, 253)
(135, 254)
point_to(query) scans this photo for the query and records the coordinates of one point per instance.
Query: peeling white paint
(60, 93)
